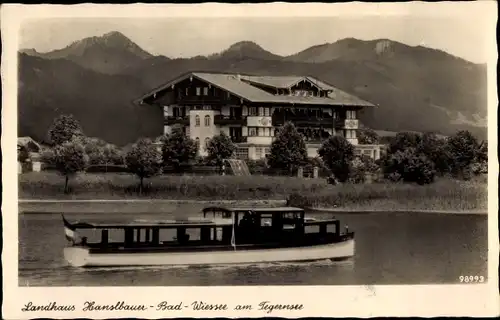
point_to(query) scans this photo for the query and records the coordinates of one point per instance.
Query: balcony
(305, 122)
(228, 120)
(346, 124)
(170, 120)
(239, 139)
(201, 100)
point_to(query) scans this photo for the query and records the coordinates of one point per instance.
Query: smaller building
(33, 149)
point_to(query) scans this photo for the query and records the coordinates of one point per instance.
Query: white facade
(202, 128)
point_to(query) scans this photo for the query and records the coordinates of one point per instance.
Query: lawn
(444, 194)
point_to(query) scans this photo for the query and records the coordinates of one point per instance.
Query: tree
(409, 165)
(367, 136)
(178, 149)
(144, 160)
(63, 129)
(69, 159)
(337, 154)
(288, 150)
(436, 150)
(360, 167)
(23, 154)
(464, 150)
(113, 155)
(403, 141)
(220, 147)
(94, 148)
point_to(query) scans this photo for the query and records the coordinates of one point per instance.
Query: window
(351, 114)
(187, 131)
(198, 91)
(187, 91)
(258, 152)
(197, 120)
(267, 151)
(252, 132)
(261, 111)
(205, 91)
(197, 140)
(242, 153)
(367, 153)
(207, 141)
(252, 111)
(207, 121)
(266, 112)
(350, 134)
(207, 107)
(165, 111)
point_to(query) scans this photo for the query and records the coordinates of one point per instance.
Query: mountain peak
(241, 45)
(247, 49)
(113, 34)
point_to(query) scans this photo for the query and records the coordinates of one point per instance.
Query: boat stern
(76, 256)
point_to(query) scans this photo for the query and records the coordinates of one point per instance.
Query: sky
(187, 37)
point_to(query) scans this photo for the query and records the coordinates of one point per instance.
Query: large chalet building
(251, 109)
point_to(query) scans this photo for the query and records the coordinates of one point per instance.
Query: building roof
(280, 82)
(240, 87)
(28, 141)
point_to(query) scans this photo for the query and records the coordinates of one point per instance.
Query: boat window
(266, 221)
(291, 215)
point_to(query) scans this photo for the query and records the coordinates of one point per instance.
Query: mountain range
(97, 78)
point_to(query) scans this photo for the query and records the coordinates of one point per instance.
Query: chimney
(238, 76)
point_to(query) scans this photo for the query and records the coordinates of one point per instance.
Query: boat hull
(83, 257)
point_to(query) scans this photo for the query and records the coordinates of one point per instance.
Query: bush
(367, 136)
(362, 166)
(409, 166)
(257, 166)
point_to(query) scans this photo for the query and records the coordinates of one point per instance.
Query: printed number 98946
(471, 279)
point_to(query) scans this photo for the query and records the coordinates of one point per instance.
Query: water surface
(391, 248)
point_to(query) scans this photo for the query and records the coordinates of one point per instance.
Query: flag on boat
(233, 236)
(70, 231)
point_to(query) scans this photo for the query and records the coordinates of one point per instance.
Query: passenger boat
(220, 236)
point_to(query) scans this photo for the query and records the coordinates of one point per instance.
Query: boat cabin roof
(260, 210)
(162, 224)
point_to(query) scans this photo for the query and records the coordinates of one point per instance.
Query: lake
(391, 248)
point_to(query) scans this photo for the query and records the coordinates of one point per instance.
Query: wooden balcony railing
(228, 120)
(302, 121)
(239, 139)
(169, 120)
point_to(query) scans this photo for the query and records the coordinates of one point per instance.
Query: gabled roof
(26, 141)
(233, 83)
(285, 82)
(274, 81)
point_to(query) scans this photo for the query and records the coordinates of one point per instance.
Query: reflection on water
(391, 248)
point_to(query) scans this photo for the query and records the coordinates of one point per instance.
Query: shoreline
(46, 206)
